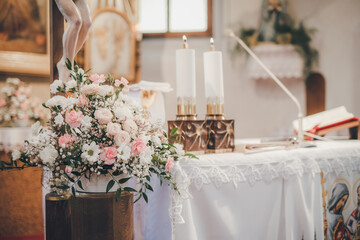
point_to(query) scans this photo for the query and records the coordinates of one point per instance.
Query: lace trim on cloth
(328, 157)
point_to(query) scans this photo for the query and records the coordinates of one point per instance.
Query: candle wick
(185, 44)
(212, 47)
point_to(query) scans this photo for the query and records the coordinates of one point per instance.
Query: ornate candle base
(193, 134)
(220, 136)
(205, 136)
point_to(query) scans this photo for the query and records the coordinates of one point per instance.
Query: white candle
(185, 71)
(213, 73)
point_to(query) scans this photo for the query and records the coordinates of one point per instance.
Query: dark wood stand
(93, 216)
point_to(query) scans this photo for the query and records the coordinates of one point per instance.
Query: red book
(328, 121)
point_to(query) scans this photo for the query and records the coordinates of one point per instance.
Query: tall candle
(185, 71)
(213, 73)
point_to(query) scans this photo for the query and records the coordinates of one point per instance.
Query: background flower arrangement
(17, 105)
(277, 26)
(98, 130)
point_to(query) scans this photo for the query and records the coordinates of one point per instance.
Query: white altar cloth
(13, 137)
(269, 195)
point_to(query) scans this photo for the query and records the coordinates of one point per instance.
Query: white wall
(260, 107)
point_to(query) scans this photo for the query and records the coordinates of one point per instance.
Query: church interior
(262, 96)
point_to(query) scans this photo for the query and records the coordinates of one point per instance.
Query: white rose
(15, 155)
(71, 84)
(61, 101)
(103, 115)
(49, 154)
(146, 156)
(113, 128)
(91, 89)
(122, 139)
(106, 90)
(156, 140)
(54, 86)
(130, 126)
(122, 112)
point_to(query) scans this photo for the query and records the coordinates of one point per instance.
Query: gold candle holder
(215, 109)
(186, 108)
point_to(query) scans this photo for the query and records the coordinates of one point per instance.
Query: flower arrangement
(16, 104)
(97, 129)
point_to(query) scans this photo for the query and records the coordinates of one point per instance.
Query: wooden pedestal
(58, 217)
(91, 216)
(220, 136)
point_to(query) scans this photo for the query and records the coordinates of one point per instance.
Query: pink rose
(138, 146)
(113, 128)
(130, 126)
(65, 140)
(83, 101)
(117, 83)
(103, 115)
(74, 118)
(23, 105)
(17, 93)
(68, 169)
(170, 164)
(25, 117)
(122, 138)
(125, 82)
(108, 155)
(97, 79)
(2, 102)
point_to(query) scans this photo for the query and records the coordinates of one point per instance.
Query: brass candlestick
(215, 108)
(186, 108)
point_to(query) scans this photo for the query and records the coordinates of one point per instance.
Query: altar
(269, 195)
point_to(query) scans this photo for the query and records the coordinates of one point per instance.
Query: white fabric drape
(270, 195)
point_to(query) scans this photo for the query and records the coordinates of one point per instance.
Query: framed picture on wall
(111, 45)
(24, 37)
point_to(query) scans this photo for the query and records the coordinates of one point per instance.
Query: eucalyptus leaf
(110, 185)
(138, 198)
(118, 194)
(148, 186)
(173, 131)
(73, 191)
(124, 180)
(145, 197)
(129, 189)
(68, 64)
(80, 184)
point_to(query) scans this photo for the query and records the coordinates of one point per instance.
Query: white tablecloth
(270, 195)
(13, 137)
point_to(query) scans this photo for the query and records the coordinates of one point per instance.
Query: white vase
(98, 183)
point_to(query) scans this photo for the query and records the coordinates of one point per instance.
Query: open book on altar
(328, 121)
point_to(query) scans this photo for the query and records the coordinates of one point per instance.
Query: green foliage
(110, 185)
